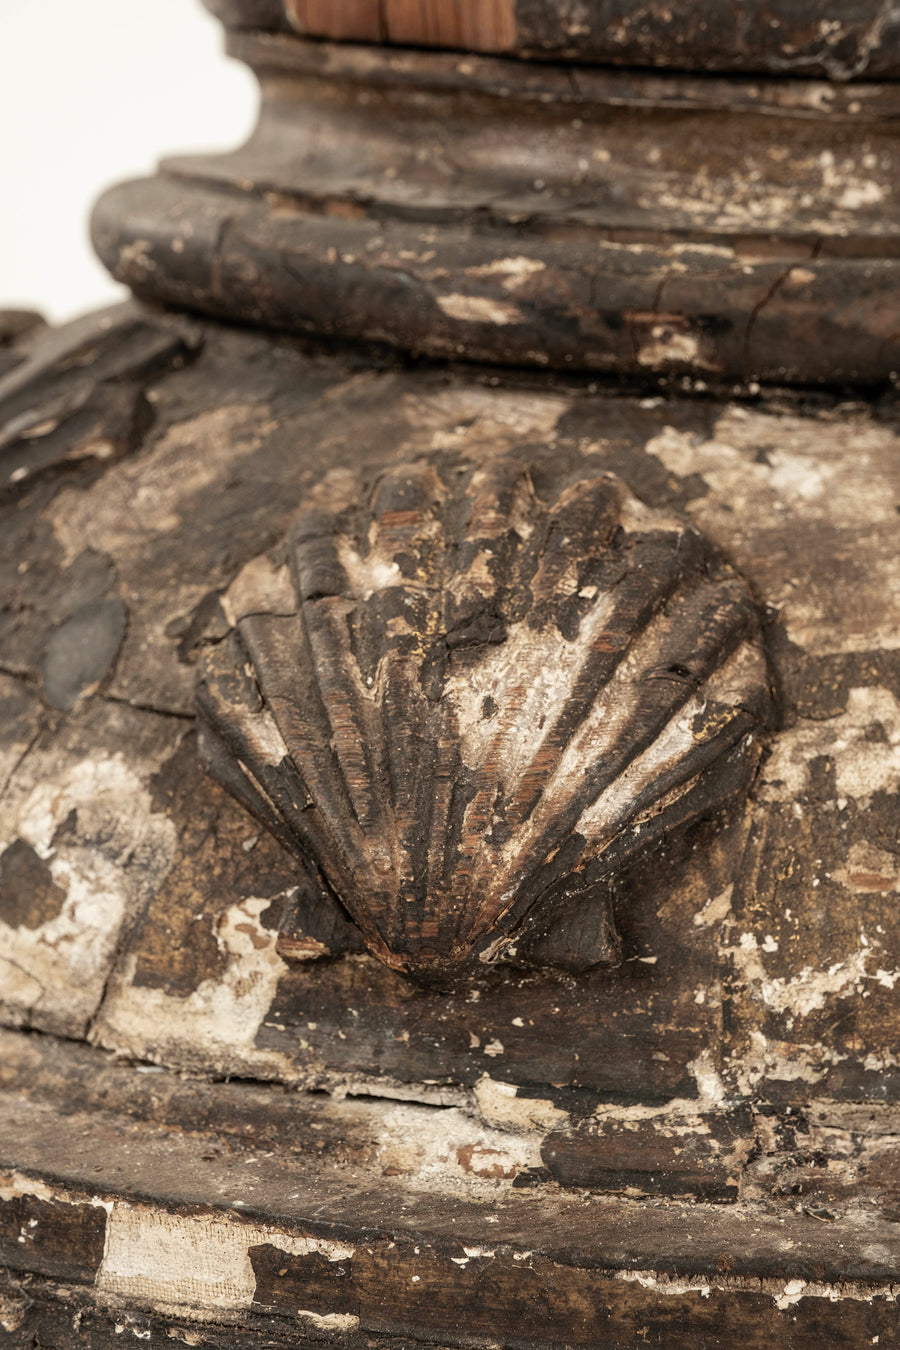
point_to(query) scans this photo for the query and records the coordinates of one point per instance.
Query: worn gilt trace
(466, 709)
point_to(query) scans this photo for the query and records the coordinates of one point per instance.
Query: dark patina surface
(206, 1137)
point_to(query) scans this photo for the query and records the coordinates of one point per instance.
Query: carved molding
(465, 710)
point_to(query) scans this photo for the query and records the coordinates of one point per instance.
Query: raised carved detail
(465, 710)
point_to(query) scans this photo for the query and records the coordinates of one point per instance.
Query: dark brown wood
(326, 1242)
(35, 1314)
(467, 709)
(16, 324)
(80, 397)
(207, 1136)
(55, 1237)
(425, 226)
(705, 1160)
(775, 36)
(637, 1030)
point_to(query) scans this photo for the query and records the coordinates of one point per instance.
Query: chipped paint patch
(502, 1108)
(661, 1283)
(136, 258)
(782, 1061)
(449, 1153)
(513, 272)
(157, 492)
(862, 765)
(480, 309)
(716, 909)
(106, 866)
(13, 1312)
(184, 1263)
(15, 1185)
(469, 418)
(342, 1322)
(219, 1020)
(785, 1294)
(667, 347)
(807, 990)
(768, 473)
(711, 1094)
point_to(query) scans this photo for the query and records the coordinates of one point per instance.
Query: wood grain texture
(698, 1144)
(360, 20)
(204, 902)
(479, 25)
(482, 25)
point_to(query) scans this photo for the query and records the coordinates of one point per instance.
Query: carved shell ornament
(465, 710)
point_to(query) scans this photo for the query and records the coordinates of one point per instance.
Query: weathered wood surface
(140, 908)
(538, 217)
(322, 1238)
(695, 1149)
(466, 709)
(759, 951)
(861, 41)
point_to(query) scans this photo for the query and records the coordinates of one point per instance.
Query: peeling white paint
(502, 1108)
(219, 1020)
(513, 272)
(782, 1061)
(784, 1294)
(665, 347)
(472, 417)
(807, 989)
(769, 470)
(862, 765)
(716, 909)
(480, 309)
(447, 1152)
(711, 1094)
(14, 1185)
(182, 1263)
(110, 865)
(157, 495)
(665, 1284)
(342, 1322)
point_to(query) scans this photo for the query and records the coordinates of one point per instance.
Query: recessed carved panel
(466, 709)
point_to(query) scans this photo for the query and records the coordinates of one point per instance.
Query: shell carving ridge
(465, 709)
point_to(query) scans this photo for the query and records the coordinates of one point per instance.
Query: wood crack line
(761, 304)
(772, 292)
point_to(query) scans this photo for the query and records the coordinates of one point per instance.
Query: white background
(93, 92)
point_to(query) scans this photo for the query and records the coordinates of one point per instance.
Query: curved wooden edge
(144, 1200)
(810, 321)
